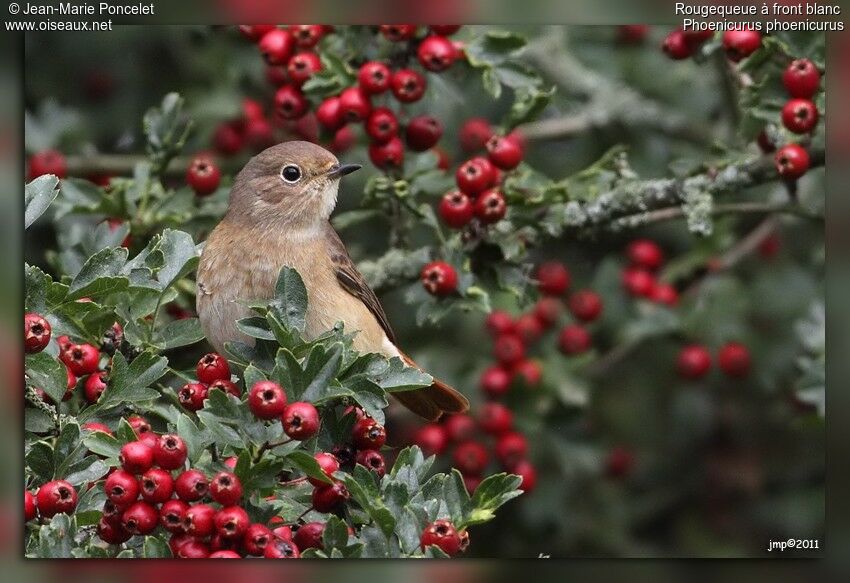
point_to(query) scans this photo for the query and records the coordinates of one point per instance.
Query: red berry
(36, 333)
(676, 46)
(734, 360)
(693, 362)
(553, 278)
(510, 448)
(212, 367)
(255, 32)
(475, 133)
(307, 35)
(193, 549)
(547, 311)
(225, 554)
(490, 207)
(431, 439)
(56, 497)
(30, 510)
(436, 53)
(170, 451)
(444, 29)
(495, 381)
(573, 339)
(499, 322)
(290, 103)
(300, 420)
(203, 175)
(192, 396)
(171, 515)
(741, 43)
(664, 293)
(281, 532)
(329, 464)
(800, 116)
(266, 400)
(495, 418)
(442, 534)
(801, 78)
(475, 175)
(695, 38)
(529, 328)
(529, 371)
(525, 470)
(140, 518)
(632, 34)
(471, 458)
(276, 46)
(64, 343)
(136, 457)
(504, 152)
(256, 538)
(387, 155)
(226, 489)
(281, 549)
(638, 282)
(460, 428)
(121, 488)
(455, 209)
(276, 76)
(199, 520)
(619, 462)
(372, 460)
(150, 439)
(408, 85)
(382, 125)
(328, 497)
(228, 387)
(585, 305)
(329, 113)
(47, 162)
(792, 161)
(508, 349)
(398, 32)
(439, 278)
(227, 139)
(309, 536)
(157, 485)
(645, 253)
(770, 246)
(374, 77)
(112, 533)
(354, 104)
(368, 434)
(81, 359)
(112, 512)
(191, 485)
(423, 132)
(764, 142)
(232, 522)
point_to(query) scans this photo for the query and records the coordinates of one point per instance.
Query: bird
(278, 216)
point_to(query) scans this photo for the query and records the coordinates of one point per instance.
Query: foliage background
(721, 467)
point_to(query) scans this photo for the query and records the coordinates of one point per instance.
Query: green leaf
(94, 470)
(308, 464)
(255, 327)
(47, 373)
(129, 384)
(322, 367)
(372, 504)
(39, 459)
(56, 538)
(38, 195)
(178, 333)
(494, 46)
(290, 301)
(393, 375)
(102, 444)
(494, 491)
(527, 105)
(101, 275)
(155, 548)
(335, 535)
(196, 439)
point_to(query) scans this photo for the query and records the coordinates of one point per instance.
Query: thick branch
(738, 208)
(123, 165)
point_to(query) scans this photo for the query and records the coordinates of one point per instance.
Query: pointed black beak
(341, 170)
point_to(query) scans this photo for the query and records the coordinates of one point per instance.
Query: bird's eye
(291, 173)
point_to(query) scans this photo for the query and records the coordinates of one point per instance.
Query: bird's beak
(341, 170)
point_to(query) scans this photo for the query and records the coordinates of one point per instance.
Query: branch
(609, 101)
(124, 164)
(676, 212)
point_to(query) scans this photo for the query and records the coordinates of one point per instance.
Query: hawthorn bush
(617, 258)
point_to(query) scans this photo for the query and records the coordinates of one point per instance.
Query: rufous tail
(431, 402)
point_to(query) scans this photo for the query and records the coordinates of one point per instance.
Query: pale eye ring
(290, 173)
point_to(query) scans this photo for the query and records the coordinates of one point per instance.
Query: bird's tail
(431, 402)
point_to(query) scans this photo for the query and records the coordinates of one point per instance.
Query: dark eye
(291, 173)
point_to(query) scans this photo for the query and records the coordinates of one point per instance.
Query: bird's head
(292, 185)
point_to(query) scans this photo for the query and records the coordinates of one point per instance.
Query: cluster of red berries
(799, 115)
(291, 61)
(47, 162)
(738, 43)
(694, 361)
(639, 280)
(80, 360)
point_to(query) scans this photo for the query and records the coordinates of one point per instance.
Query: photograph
(389, 291)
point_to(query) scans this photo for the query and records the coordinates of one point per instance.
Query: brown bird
(278, 216)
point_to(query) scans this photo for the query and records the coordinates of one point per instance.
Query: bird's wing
(352, 281)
